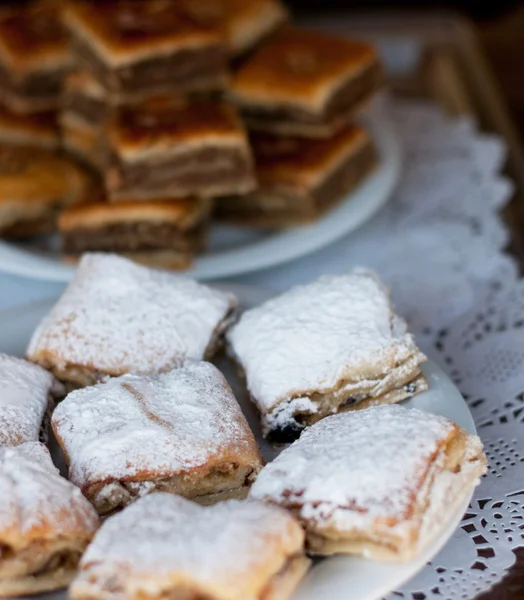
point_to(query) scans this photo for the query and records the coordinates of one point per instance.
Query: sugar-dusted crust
(242, 23)
(45, 523)
(300, 69)
(181, 432)
(25, 391)
(165, 546)
(379, 482)
(38, 129)
(35, 184)
(33, 40)
(153, 319)
(183, 213)
(172, 127)
(123, 32)
(334, 344)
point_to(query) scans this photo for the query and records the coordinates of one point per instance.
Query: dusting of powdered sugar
(229, 550)
(117, 317)
(352, 468)
(314, 336)
(35, 501)
(156, 426)
(24, 397)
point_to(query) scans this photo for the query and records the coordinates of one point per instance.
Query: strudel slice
(119, 317)
(379, 482)
(45, 523)
(178, 147)
(306, 83)
(134, 46)
(25, 398)
(161, 233)
(167, 547)
(180, 432)
(33, 129)
(333, 345)
(300, 179)
(34, 58)
(35, 184)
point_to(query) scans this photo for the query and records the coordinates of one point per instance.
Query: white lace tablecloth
(440, 245)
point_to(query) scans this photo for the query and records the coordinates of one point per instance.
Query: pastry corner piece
(306, 83)
(26, 392)
(380, 482)
(180, 432)
(333, 345)
(119, 317)
(158, 233)
(45, 523)
(165, 546)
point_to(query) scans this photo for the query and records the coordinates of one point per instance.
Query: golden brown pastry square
(133, 46)
(180, 432)
(164, 546)
(306, 83)
(29, 129)
(380, 482)
(300, 179)
(34, 58)
(35, 184)
(333, 345)
(178, 147)
(25, 398)
(162, 233)
(45, 523)
(154, 319)
(243, 23)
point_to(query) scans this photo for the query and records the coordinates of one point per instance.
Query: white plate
(338, 578)
(234, 250)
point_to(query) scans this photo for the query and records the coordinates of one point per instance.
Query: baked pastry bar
(306, 83)
(332, 345)
(379, 482)
(300, 179)
(243, 23)
(180, 432)
(178, 147)
(34, 58)
(29, 129)
(45, 523)
(135, 46)
(119, 317)
(162, 233)
(167, 547)
(35, 184)
(25, 397)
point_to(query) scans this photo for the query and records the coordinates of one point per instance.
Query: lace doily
(440, 244)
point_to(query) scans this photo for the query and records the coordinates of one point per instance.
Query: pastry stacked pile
(185, 110)
(156, 442)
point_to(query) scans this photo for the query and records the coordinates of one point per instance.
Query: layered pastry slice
(380, 482)
(177, 147)
(34, 58)
(243, 24)
(119, 317)
(306, 83)
(35, 185)
(45, 523)
(333, 345)
(31, 129)
(299, 179)
(162, 233)
(180, 432)
(25, 400)
(167, 547)
(135, 47)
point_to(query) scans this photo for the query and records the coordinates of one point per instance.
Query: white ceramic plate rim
(337, 578)
(360, 206)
